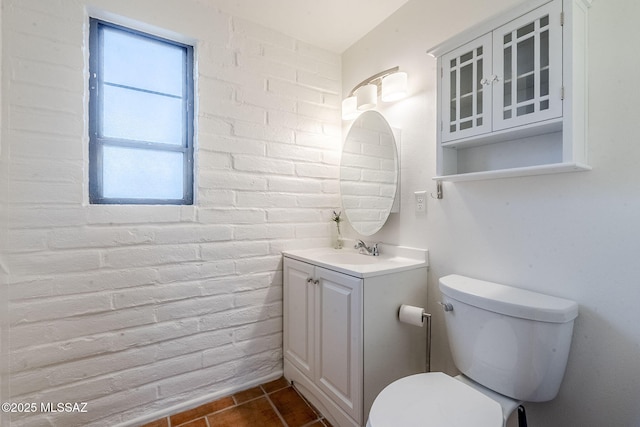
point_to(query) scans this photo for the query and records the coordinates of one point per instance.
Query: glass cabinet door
(466, 90)
(528, 62)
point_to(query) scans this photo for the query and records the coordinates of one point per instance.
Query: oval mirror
(368, 173)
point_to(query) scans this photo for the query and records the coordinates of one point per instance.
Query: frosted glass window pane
(131, 60)
(453, 113)
(507, 64)
(544, 21)
(525, 56)
(507, 94)
(453, 85)
(141, 116)
(527, 109)
(522, 31)
(544, 49)
(142, 174)
(466, 107)
(544, 82)
(479, 73)
(526, 88)
(466, 79)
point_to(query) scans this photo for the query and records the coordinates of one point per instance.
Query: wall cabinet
(343, 342)
(512, 94)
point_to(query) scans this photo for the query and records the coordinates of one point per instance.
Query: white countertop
(391, 259)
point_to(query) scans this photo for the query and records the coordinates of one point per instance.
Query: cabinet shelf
(549, 126)
(515, 172)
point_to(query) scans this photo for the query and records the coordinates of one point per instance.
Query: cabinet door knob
(309, 279)
(487, 81)
(316, 282)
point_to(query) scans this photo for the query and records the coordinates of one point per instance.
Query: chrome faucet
(366, 250)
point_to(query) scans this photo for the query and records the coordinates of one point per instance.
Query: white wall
(572, 235)
(135, 309)
(4, 359)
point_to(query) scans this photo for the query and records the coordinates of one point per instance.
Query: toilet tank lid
(508, 300)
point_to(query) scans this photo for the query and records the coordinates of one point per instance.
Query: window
(140, 118)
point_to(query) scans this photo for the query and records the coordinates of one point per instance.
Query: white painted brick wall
(137, 308)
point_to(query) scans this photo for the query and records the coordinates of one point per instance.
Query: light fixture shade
(394, 87)
(367, 97)
(349, 108)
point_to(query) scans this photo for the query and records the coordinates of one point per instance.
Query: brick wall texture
(135, 309)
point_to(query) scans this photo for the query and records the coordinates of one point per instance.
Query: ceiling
(330, 24)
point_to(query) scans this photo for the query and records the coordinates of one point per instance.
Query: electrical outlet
(421, 201)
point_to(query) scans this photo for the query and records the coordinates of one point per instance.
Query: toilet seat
(433, 399)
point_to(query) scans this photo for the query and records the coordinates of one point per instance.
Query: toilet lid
(433, 400)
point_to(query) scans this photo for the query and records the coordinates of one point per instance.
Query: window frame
(97, 141)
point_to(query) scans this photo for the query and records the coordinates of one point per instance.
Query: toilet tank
(513, 341)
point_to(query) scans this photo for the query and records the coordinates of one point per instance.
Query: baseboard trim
(193, 403)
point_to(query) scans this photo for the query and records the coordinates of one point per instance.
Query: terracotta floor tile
(275, 385)
(200, 422)
(252, 393)
(256, 412)
(201, 411)
(163, 422)
(292, 407)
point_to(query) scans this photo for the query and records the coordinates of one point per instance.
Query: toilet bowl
(435, 399)
(511, 345)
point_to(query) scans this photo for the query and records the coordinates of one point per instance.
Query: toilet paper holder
(426, 319)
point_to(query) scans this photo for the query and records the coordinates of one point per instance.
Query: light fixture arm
(375, 79)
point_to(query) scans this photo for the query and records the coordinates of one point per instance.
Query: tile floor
(273, 404)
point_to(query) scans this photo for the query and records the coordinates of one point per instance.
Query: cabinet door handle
(309, 279)
(316, 282)
(487, 81)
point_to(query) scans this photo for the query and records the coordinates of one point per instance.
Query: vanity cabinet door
(299, 315)
(528, 63)
(338, 340)
(466, 80)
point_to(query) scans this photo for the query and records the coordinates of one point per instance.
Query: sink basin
(348, 258)
(359, 265)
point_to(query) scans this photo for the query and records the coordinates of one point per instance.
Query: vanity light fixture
(367, 97)
(394, 87)
(391, 84)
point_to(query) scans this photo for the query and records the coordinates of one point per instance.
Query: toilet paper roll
(411, 315)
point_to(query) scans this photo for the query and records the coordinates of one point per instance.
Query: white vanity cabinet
(343, 342)
(512, 94)
(323, 328)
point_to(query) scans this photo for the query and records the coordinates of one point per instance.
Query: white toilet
(511, 346)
